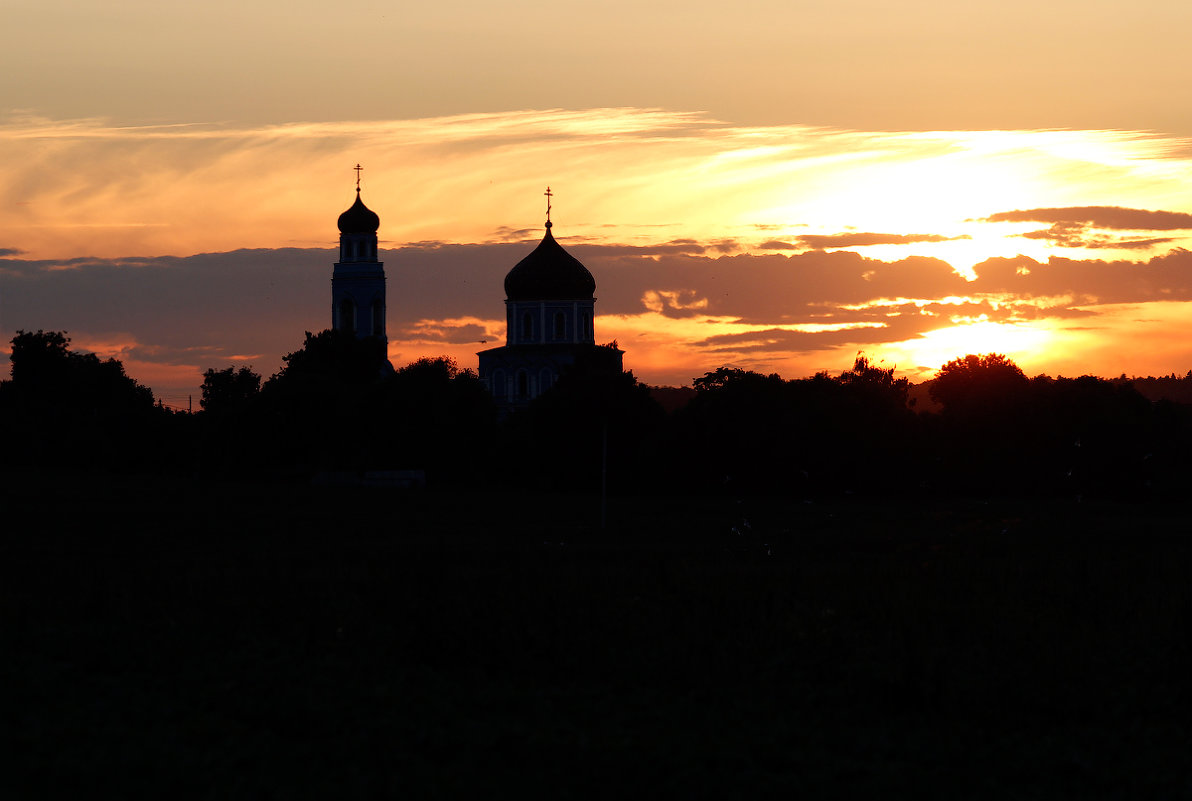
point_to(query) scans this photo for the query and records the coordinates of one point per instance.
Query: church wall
(364, 285)
(549, 322)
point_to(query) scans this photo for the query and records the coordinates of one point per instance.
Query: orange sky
(687, 145)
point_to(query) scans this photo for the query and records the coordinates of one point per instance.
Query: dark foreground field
(270, 641)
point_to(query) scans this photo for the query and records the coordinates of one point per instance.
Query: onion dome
(359, 219)
(549, 273)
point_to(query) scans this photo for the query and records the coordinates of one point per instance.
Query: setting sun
(1024, 343)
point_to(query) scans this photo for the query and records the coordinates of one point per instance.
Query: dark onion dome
(359, 219)
(549, 273)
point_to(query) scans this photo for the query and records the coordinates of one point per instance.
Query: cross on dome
(549, 194)
(359, 219)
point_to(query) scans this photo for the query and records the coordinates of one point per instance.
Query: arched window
(560, 325)
(378, 318)
(347, 315)
(587, 321)
(546, 380)
(497, 383)
(527, 326)
(523, 384)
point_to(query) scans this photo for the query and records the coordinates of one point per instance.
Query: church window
(560, 325)
(347, 315)
(527, 326)
(587, 320)
(498, 383)
(378, 318)
(523, 384)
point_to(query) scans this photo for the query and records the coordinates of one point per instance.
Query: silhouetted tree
(1090, 434)
(876, 384)
(317, 411)
(593, 413)
(741, 431)
(438, 417)
(338, 405)
(868, 434)
(74, 406)
(43, 357)
(46, 372)
(229, 390)
(982, 435)
(331, 358)
(750, 432)
(734, 379)
(978, 383)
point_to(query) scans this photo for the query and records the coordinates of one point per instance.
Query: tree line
(337, 405)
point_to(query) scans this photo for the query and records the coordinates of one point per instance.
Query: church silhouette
(358, 280)
(550, 299)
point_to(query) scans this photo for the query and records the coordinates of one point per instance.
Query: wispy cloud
(1110, 217)
(621, 175)
(860, 239)
(1078, 235)
(1091, 227)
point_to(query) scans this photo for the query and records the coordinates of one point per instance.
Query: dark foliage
(62, 406)
(595, 424)
(228, 391)
(47, 374)
(1000, 432)
(317, 412)
(747, 432)
(980, 386)
(722, 639)
(337, 406)
(439, 418)
(328, 361)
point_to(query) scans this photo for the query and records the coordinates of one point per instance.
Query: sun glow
(917, 183)
(1023, 342)
(657, 176)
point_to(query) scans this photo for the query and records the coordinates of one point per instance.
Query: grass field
(166, 639)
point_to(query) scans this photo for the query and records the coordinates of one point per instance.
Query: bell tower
(358, 280)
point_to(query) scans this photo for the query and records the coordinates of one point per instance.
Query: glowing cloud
(622, 175)
(673, 213)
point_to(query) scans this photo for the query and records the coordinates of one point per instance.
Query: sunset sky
(762, 184)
